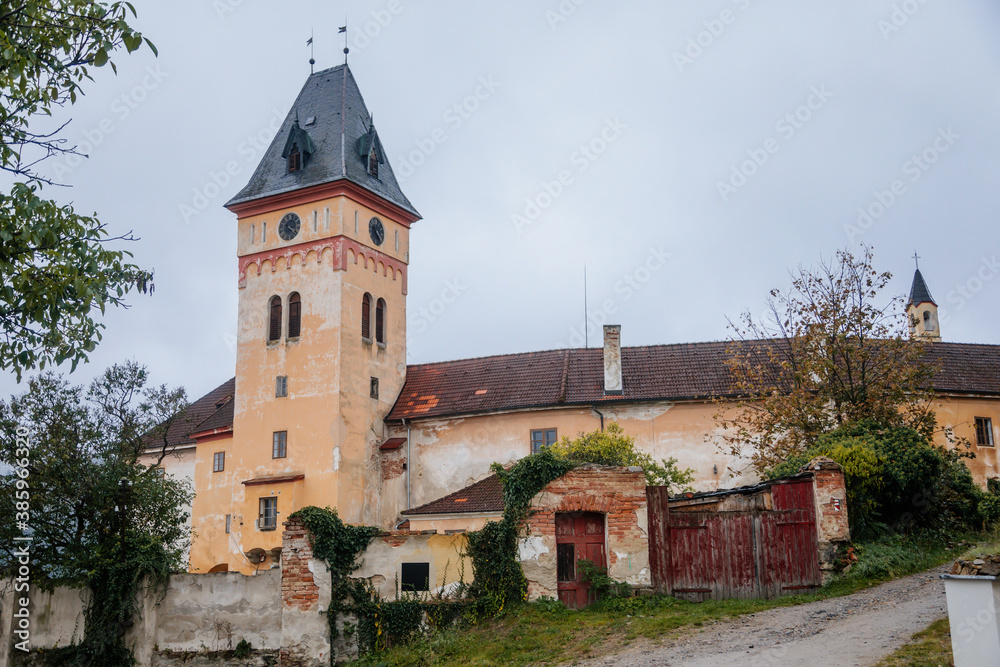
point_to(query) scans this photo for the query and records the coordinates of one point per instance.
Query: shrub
(897, 480)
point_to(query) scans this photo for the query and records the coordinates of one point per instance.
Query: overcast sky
(688, 153)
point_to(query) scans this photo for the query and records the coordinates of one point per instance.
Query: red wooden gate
(748, 553)
(579, 536)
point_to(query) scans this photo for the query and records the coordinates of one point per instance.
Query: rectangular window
(984, 431)
(253, 234)
(229, 523)
(263, 232)
(545, 437)
(281, 386)
(355, 223)
(326, 218)
(315, 218)
(415, 577)
(397, 240)
(218, 462)
(374, 388)
(268, 519)
(279, 446)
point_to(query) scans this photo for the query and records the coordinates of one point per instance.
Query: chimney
(612, 359)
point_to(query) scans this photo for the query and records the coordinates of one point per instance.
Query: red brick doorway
(579, 536)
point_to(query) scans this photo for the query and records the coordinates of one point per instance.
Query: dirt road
(858, 629)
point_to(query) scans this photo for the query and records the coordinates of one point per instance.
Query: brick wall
(832, 523)
(617, 493)
(298, 586)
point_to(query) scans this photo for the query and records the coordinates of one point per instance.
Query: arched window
(274, 322)
(380, 321)
(928, 322)
(294, 315)
(294, 159)
(366, 316)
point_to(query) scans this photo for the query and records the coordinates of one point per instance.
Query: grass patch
(927, 648)
(545, 632)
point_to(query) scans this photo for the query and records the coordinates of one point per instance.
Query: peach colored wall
(958, 414)
(456, 522)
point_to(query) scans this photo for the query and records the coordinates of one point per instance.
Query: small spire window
(294, 159)
(373, 162)
(928, 321)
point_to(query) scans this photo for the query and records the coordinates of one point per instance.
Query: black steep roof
(918, 292)
(341, 127)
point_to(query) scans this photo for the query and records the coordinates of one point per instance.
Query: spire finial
(312, 59)
(343, 29)
(916, 259)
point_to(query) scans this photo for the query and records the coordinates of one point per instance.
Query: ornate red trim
(344, 250)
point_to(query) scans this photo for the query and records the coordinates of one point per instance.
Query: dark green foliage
(498, 582)
(101, 518)
(601, 584)
(897, 480)
(242, 650)
(55, 266)
(338, 545)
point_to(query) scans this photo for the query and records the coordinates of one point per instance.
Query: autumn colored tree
(56, 267)
(831, 350)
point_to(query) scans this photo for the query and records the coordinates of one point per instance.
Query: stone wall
(619, 494)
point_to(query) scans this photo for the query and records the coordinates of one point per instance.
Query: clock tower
(323, 246)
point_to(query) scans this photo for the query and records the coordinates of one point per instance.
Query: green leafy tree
(613, 447)
(55, 265)
(898, 480)
(830, 351)
(100, 511)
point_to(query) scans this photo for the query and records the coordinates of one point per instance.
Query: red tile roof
(576, 377)
(483, 496)
(211, 411)
(392, 443)
(650, 373)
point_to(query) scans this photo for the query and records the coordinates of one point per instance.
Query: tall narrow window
(268, 519)
(984, 431)
(281, 386)
(263, 232)
(380, 321)
(294, 159)
(366, 316)
(928, 322)
(274, 322)
(218, 461)
(315, 220)
(229, 523)
(253, 234)
(294, 315)
(373, 162)
(279, 445)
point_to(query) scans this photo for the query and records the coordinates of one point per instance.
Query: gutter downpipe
(407, 464)
(599, 414)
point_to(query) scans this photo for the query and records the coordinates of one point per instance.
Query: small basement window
(415, 577)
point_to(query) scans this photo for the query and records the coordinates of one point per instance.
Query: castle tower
(323, 246)
(922, 311)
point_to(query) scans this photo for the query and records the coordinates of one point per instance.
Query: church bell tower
(323, 247)
(922, 311)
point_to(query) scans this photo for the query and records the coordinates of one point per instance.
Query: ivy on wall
(498, 581)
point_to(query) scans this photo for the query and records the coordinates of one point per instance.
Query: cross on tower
(916, 258)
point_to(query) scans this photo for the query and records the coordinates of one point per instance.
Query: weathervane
(312, 60)
(343, 29)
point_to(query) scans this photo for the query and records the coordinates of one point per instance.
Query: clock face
(289, 226)
(377, 231)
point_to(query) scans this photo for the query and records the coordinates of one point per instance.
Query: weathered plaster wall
(382, 562)
(619, 494)
(958, 414)
(457, 523)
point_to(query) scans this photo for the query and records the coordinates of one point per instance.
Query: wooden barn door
(579, 536)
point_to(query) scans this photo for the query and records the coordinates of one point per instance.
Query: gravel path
(858, 629)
